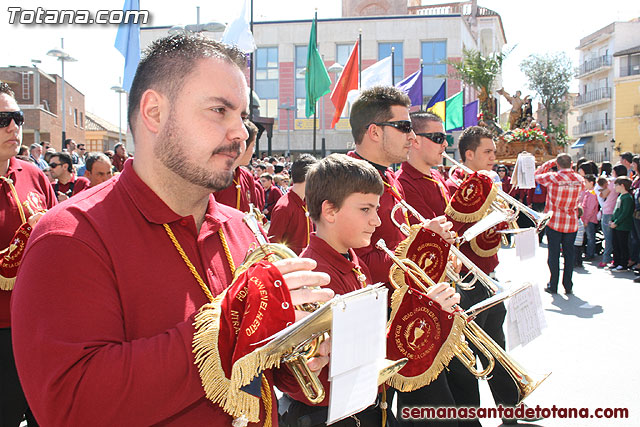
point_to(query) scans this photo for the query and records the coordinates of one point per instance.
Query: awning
(580, 142)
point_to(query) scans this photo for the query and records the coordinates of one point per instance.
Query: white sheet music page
(358, 343)
(526, 243)
(526, 170)
(525, 321)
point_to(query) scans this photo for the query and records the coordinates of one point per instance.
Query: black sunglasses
(403, 126)
(437, 137)
(54, 165)
(7, 116)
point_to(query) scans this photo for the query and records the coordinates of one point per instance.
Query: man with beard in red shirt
(110, 338)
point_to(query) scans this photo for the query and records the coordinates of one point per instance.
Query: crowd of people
(146, 323)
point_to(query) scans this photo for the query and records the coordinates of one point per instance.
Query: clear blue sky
(532, 27)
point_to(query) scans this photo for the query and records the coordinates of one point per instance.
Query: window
(342, 53)
(434, 71)
(266, 79)
(75, 117)
(629, 65)
(300, 88)
(384, 50)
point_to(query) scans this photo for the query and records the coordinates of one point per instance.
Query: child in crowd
(590, 211)
(621, 223)
(579, 239)
(343, 195)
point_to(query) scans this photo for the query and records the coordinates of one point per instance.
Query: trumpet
(476, 335)
(474, 271)
(306, 347)
(540, 220)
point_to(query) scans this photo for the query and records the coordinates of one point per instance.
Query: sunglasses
(7, 116)
(437, 137)
(403, 126)
(54, 165)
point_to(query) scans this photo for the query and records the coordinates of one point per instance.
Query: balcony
(593, 96)
(593, 126)
(594, 65)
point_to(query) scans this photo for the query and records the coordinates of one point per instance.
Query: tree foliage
(479, 72)
(549, 76)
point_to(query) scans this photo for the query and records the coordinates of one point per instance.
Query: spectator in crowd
(98, 169)
(606, 169)
(609, 195)
(621, 223)
(505, 179)
(271, 194)
(579, 239)
(119, 156)
(35, 152)
(81, 153)
(67, 184)
(563, 189)
(626, 160)
(282, 182)
(71, 148)
(590, 210)
(23, 151)
(49, 175)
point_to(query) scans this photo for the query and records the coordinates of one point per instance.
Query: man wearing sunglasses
(20, 183)
(382, 132)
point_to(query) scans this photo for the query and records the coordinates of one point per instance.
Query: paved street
(588, 344)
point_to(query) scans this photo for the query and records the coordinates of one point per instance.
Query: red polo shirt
(241, 192)
(486, 264)
(107, 340)
(427, 194)
(32, 187)
(290, 222)
(343, 280)
(377, 261)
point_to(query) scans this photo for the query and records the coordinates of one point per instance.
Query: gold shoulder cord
(266, 389)
(14, 192)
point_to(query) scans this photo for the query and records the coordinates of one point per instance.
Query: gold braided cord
(238, 191)
(227, 251)
(395, 191)
(14, 192)
(187, 261)
(266, 398)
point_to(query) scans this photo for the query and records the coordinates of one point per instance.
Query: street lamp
(62, 57)
(288, 107)
(119, 90)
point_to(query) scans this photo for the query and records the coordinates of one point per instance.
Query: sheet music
(357, 345)
(526, 168)
(526, 243)
(525, 319)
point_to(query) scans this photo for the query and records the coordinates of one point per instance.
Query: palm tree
(479, 72)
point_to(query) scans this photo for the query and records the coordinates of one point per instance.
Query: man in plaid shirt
(563, 189)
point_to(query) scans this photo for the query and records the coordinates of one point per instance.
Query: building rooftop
(96, 123)
(629, 51)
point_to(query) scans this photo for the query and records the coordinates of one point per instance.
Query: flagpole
(393, 57)
(421, 85)
(251, 73)
(359, 57)
(315, 104)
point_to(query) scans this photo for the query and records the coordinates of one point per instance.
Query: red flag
(348, 81)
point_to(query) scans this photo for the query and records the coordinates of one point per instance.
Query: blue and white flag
(238, 33)
(128, 43)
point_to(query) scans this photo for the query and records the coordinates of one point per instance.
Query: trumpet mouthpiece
(381, 244)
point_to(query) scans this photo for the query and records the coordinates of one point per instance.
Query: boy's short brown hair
(624, 181)
(335, 178)
(602, 181)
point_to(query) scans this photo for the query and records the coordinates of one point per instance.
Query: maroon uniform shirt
(75, 185)
(486, 264)
(272, 195)
(343, 280)
(107, 340)
(377, 261)
(290, 222)
(427, 194)
(118, 162)
(32, 187)
(241, 192)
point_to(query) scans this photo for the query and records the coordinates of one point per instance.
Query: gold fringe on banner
(442, 359)
(7, 283)
(473, 216)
